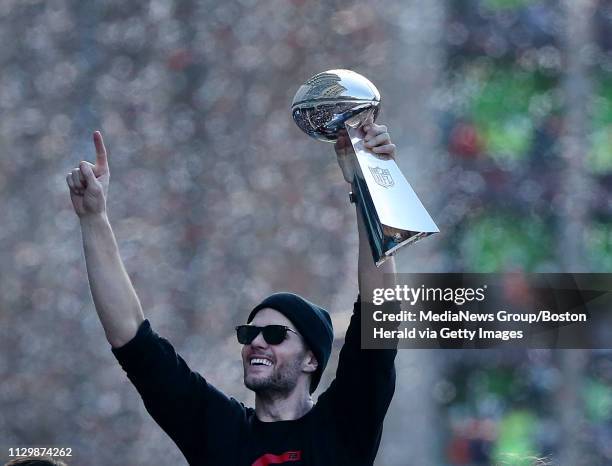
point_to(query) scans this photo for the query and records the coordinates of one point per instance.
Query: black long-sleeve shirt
(343, 428)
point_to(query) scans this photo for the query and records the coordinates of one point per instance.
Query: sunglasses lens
(246, 334)
(274, 334)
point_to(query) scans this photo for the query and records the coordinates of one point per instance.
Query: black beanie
(312, 321)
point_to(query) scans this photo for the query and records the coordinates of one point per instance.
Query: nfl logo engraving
(382, 176)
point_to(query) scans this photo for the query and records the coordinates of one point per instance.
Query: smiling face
(277, 368)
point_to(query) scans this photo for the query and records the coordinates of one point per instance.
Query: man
(286, 344)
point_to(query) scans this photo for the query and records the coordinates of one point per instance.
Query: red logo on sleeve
(287, 457)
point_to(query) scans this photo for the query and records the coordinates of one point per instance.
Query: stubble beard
(283, 379)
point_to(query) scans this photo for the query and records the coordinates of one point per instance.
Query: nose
(259, 341)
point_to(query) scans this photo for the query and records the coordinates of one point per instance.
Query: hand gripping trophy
(341, 99)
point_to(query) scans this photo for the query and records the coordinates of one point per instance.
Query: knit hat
(312, 321)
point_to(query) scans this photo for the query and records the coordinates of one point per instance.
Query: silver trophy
(342, 99)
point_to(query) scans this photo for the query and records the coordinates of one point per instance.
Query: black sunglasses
(273, 334)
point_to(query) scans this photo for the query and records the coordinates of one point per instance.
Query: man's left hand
(376, 138)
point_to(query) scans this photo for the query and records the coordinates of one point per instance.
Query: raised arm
(371, 277)
(365, 379)
(116, 301)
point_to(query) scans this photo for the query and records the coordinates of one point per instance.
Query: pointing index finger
(101, 157)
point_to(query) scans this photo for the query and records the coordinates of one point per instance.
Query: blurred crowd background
(502, 113)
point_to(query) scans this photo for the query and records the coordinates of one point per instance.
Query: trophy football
(335, 100)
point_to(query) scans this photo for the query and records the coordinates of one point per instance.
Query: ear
(310, 363)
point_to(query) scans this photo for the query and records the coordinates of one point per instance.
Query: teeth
(265, 362)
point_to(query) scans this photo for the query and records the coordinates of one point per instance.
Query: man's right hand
(88, 183)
